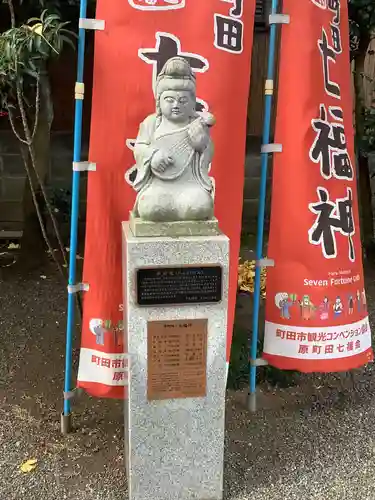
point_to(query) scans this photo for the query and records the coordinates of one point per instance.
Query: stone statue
(173, 152)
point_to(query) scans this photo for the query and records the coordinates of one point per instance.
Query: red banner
(215, 36)
(316, 311)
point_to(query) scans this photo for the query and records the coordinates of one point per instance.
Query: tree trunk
(33, 246)
(364, 184)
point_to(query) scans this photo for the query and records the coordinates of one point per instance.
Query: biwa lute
(181, 151)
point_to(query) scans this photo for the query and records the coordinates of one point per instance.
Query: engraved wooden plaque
(177, 359)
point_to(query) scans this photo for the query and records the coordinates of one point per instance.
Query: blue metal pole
(261, 212)
(74, 214)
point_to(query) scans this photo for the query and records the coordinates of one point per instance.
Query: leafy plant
(25, 95)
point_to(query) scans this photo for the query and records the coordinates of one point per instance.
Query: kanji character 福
(228, 34)
(350, 346)
(332, 217)
(328, 54)
(330, 148)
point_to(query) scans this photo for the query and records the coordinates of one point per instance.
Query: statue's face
(177, 106)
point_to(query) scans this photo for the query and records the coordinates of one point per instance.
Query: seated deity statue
(173, 152)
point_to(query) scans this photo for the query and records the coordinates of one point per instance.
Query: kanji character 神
(228, 34)
(328, 54)
(330, 148)
(332, 217)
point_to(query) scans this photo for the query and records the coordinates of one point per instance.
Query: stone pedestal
(174, 416)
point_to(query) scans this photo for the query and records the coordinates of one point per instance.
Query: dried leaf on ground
(246, 277)
(29, 465)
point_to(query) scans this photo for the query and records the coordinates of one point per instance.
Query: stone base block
(142, 229)
(174, 447)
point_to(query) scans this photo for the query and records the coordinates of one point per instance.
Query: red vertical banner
(216, 37)
(316, 311)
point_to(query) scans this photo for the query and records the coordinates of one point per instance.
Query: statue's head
(175, 91)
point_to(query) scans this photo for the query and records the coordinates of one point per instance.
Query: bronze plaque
(179, 285)
(177, 359)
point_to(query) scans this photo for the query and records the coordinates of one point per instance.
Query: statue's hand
(199, 135)
(161, 161)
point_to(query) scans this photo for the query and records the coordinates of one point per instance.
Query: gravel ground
(311, 442)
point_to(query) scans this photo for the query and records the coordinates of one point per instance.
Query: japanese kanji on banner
(215, 36)
(316, 311)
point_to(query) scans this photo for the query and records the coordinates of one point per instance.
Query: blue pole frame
(74, 215)
(261, 212)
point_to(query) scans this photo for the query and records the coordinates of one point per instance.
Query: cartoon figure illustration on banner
(284, 303)
(358, 295)
(350, 305)
(338, 307)
(324, 309)
(364, 300)
(307, 308)
(96, 327)
(157, 4)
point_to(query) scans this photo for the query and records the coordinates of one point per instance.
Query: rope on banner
(267, 148)
(78, 167)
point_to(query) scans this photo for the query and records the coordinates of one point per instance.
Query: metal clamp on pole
(69, 395)
(279, 19)
(268, 87)
(79, 287)
(92, 24)
(258, 362)
(271, 148)
(79, 91)
(265, 263)
(84, 166)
